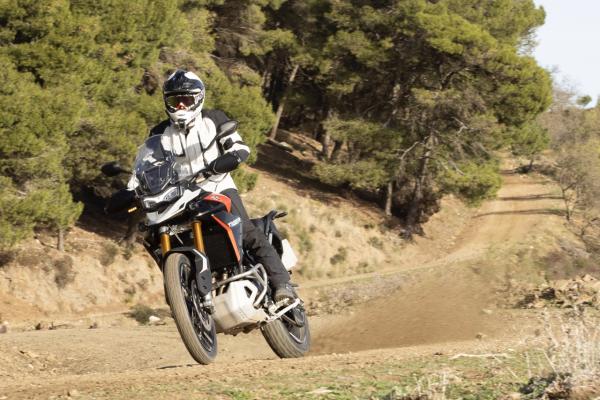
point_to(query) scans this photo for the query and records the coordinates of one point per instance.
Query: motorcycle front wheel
(289, 336)
(195, 324)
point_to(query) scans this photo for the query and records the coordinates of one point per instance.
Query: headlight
(164, 197)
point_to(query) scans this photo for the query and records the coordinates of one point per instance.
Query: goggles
(182, 101)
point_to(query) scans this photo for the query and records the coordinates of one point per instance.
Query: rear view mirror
(113, 168)
(227, 128)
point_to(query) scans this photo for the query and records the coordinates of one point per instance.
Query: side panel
(233, 226)
(223, 240)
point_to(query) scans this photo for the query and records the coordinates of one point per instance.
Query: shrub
(6, 257)
(109, 254)
(473, 182)
(340, 256)
(244, 180)
(64, 272)
(376, 242)
(571, 354)
(141, 313)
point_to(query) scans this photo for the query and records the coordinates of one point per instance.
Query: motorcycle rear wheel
(195, 325)
(289, 336)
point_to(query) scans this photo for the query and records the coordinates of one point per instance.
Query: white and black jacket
(199, 148)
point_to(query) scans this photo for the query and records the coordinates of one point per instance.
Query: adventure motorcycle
(211, 284)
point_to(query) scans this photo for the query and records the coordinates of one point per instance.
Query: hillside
(409, 319)
(335, 238)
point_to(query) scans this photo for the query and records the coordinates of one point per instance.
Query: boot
(284, 291)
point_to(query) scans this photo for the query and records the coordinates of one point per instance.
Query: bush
(141, 313)
(63, 272)
(473, 182)
(340, 256)
(109, 254)
(6, 257)
(244, 180)
(571, 356)
(376, 242)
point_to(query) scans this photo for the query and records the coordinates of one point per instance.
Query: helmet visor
(182, 101)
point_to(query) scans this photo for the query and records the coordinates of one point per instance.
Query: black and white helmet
(183, 93)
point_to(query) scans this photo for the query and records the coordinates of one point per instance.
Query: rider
(192, 132)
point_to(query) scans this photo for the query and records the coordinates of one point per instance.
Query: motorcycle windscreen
(154, 166)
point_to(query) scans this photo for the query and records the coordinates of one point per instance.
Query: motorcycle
(211, 284)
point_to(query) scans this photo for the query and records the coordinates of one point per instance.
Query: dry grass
(331, 240)
(570, 363)
(430, 387)
(574, 352)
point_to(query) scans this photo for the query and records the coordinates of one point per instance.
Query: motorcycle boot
(284, 291)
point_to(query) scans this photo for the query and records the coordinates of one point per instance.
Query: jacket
(198, 148)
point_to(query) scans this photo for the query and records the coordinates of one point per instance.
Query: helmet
(183, 93)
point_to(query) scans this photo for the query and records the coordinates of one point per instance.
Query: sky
(570, 40)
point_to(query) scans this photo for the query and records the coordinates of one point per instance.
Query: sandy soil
(445, 308)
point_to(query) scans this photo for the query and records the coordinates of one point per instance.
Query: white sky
(570, 40)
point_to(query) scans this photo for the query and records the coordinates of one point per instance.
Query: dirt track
(440, 311)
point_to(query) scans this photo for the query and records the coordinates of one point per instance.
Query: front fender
(201, 266)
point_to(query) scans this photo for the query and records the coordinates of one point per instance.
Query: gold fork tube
(198, 241)
(165, 242)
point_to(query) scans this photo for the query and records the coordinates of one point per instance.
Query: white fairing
(288, 258)
(234, 308)
(177, 207)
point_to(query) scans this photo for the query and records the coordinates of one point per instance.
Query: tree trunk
(281, 106)
(336, 152)
(325, 142)
(61, 240)
(389, 195)
(415, 208)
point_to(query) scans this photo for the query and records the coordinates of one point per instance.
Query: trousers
(256, 242)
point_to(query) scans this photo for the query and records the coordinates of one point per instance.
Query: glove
(227, 162)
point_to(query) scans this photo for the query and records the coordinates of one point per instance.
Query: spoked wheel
(289, 336)
(195, 324)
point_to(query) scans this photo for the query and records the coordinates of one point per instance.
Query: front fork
(165, 245)
(165, 238)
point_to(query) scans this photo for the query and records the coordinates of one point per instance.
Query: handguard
(120, 201)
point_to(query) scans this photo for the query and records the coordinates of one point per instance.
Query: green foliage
(409, 92)
(473, 182)
(81, 86)
(446, 79)
(529, 140)
(244, 180)
(358, 175)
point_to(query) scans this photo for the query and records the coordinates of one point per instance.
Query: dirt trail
(454, 301)
(443, 309)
